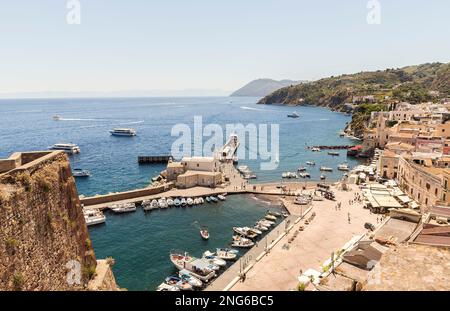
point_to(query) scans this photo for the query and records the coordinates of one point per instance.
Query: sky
(209, 46)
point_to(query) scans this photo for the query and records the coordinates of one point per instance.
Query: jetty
(154, 159)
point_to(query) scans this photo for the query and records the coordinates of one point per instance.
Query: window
(435, 192)
(428, 186)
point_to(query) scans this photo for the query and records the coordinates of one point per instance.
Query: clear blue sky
(209, 44)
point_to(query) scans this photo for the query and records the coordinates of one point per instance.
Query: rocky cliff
(44, 241)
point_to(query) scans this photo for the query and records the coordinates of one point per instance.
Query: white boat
(242, 242)
(343, 167)
(80, 173)
(221, 197)
(270, 217)
(68, 148)
(162, 203)
(57, 117)
(183, 202)
(200, 200)
(186, 275)
(250, 176)
(285, 214)
(214, 259)
(227, 253)
(323, 177)
(177, 202)
(245, 233)
(315, 149)
(326, 169)
(261, 227)
(310, 163)
(301, 169)
(304, 175)
(266, 223)
(170, 202)
(289, 175)
(196, 267)
(178, 282)
(196, 201)
(123, 132)
(93, 217)
(167, 288)
(214, 199)
(123, 208)
(189, 201)
(274, 213)
(293, 115)
(255, 230)
(301, 201)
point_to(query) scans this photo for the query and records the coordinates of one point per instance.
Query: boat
(123, 132)
(274, 213)
(214, 259)
(285, 214)
(80, 173)
(189, 201)
(242, 242)
(266, 222)
(245, 232)
(315, 149)
(177, 202)
(289, 175)
(162, 203)
(326, 169)
(310, 163)
(226, 253)
(123, 208)
(301, 169)
(221, 197)
(170, 202)
(343, 167)
(255, 230)
(178, 282)
(196, 267)
(260, 227)
(68, 148)
(301, 200)
(332, 153)
(244, 169)
(293, 115)
(183, 202)
(270, 217)
(204, 233)
(196, 201)
(167, 288)
(186, 276)
(148, 205)
(214, 199)
(200, 200)
(94, 217)
(323, 177)
(57, 117)
(208, 199)
(304, 175)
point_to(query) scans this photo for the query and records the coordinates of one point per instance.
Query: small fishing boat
(170, 202)
(189, 201)
(267, 223)
(167, 288)
(270, 217)
(310, 163)
(214, 259)
(255, 230)
(242, 242)
(226, 253)
(183, 202)
(214, 199)
(204, 233)
(123, 208)
(301, 169)
(93, 217)
(80, 173)
(304, 175)
(250, 176)
(178, 282)
(343, 167)
(245, 233)
(196, 267)
(293, 115)
(196, 201)
(261, 227)
(221, 197)
(332, 153)
(177, 202)
(208, 199)
(200, 200)
(186, 276)
(274, 213)
(154, 204)
(162, 203)
(326, 169)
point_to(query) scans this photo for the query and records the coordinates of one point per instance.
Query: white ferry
(68, 148)
(93, 217)
(123, 132)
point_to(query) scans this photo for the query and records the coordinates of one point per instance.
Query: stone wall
(42, 227)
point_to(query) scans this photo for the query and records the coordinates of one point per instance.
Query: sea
(140, 243)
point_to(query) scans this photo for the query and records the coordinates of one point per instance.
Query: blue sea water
(140, 243)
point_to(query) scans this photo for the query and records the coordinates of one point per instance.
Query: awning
(404, 199)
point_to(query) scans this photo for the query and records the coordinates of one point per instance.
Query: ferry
(68, 148)
(93, 217)
(123, 132)
(293, 115)
(78, 172)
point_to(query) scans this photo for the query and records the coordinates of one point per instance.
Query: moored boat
(80, 173)
(170, 202)
(227, 253)
(123, 208)
(310, 163)
(261, 227)
(189, 201)
(177, 202)
(178, 282)
(167, 288)
(293, 115)
(162, 203)
(343, 167)
(183, 202)
(221, 197)
(186, 276)
(196, 267)
(208, 199)
(245, 232)
(93, 217)
(242, 242)
(270, 217)
(214, 259)
(326, 169)
(214, 199)
(333, 153)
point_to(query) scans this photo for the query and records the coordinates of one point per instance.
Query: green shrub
(301, 287)
(89, 271)
(18, 281)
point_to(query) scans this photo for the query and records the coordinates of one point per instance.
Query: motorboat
(323, 177)
(208, 199)
(310, 163)
(289, 175)
(196, 201)
(167, 288)
(301, 200)
(226, 253)
(285, 214)
(170, 202)
(93, 217)
(266, 223)
(301, 169)
(67, 148)
(189, 201)
(242, 242)
(162, 203)
(186, 276)
(343, 167)
(304, 175)
(148, 205)
(270, 217)
(214, 259)
(57, 117)
(178, 282)
(293, 115)
(204, 233)
(196, 267)
(80, 173)
(255, 230)
(214, 199)
(332, 153)
(315, 149)
(200, 200)
(183, 202)
(326, 169)
(123, 132)
(177, 202)
(260, 227)
(250, 176)
(274, 213)
(123, 208)
(245, 232)
(221, 197)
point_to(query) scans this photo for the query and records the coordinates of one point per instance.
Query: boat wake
(258, 109)
(134, 122)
